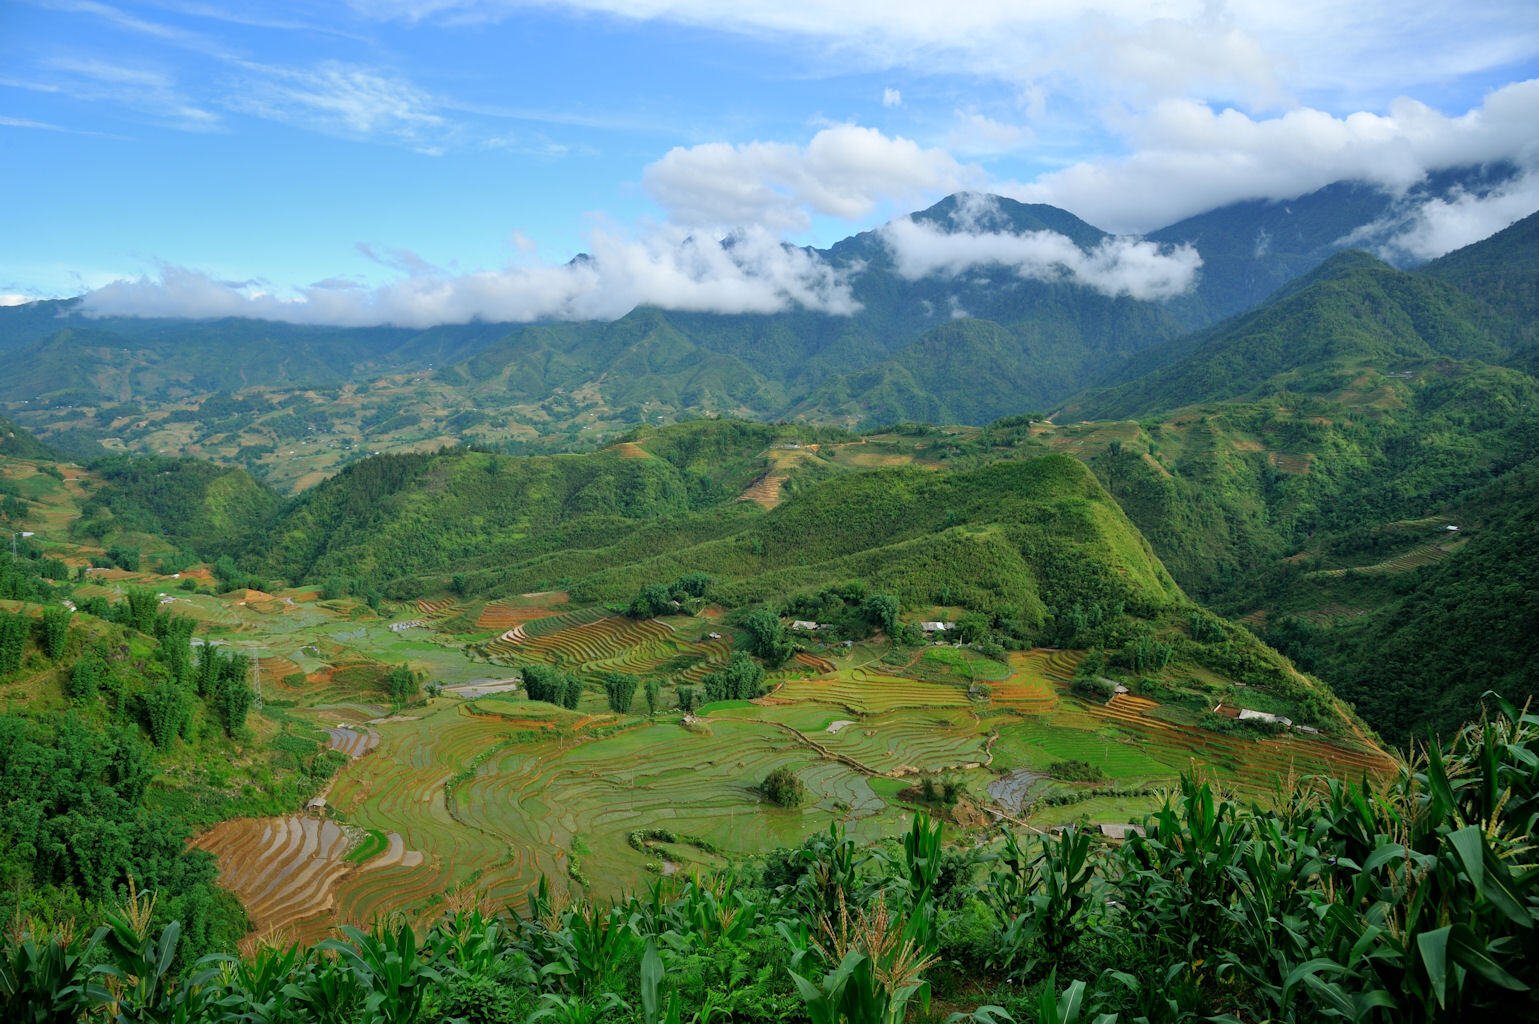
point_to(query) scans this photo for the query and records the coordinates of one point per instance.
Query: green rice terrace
(477, 791)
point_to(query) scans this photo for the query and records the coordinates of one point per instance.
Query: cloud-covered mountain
(976, 307)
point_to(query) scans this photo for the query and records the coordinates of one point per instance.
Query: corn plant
(46, 978)
(391, 970)
(140, 985)
(325, 990)
(1042, 900)
(860, 968)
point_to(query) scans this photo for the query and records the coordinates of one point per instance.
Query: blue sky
(421, 160)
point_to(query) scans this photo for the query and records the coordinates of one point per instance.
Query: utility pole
(24, 534)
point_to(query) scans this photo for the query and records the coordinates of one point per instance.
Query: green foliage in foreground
(1415, 902)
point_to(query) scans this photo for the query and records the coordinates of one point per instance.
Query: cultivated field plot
(287, 870)
(866, 691)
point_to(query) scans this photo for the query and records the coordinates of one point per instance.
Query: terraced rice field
(354, 742)
(507, 614)
(905, 743)
(287, 870)
(1406, 561)
(867, 692)
(1299, 465)
(1035, 676)
(608, 639)
(275, 669)
(1255, 764)
(487, 793)
(511, 643)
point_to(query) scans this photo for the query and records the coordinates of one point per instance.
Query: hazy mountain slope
(1251, 249)
(1501, 275)
(17, 443)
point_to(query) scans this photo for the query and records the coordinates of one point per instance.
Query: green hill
(17, 443)
(1354, 311)
(1298, 465)
(196, 506)
(1501, 276)
(1016, 536)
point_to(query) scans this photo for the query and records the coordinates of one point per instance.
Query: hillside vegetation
(1303, 464)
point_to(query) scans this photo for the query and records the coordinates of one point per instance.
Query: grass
(372, 845)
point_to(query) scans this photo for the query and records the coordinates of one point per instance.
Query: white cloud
(16, 299)
(1253, 52)
(750, 272)
(976, 134)
(1440, 225)
(1188, 158)
(337, 98)
(892, 98)
(1115, 267)
(845, 171)
(147, 89)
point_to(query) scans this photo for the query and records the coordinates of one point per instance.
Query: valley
(344, 657)
(471, 793)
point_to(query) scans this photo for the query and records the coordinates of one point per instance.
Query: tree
(402, 684)
(653, 600)
(13, 641)
(86, 676)
(55, 632)
(881, 611)
(692, 584)
(231, 703)
(141, 610)
(620, 688)
(973, 627)
(654, 691)
(767, 637)
(166, 711)
(689, 699)
(782, 788)
(544, 683)
(741, 678)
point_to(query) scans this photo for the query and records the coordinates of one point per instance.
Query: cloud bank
(1187, 157)
(1118, 266)
(845, 171)
(1442, 224)
(749, 272)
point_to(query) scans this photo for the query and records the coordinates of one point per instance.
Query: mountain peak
(979, 212)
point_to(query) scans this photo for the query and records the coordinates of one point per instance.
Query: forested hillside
(1326, 465)
(18, 443)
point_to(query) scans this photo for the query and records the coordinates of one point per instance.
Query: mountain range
(938, 337)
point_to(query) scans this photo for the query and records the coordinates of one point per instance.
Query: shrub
(620, 688)
(1075, 771)
(782, 788)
